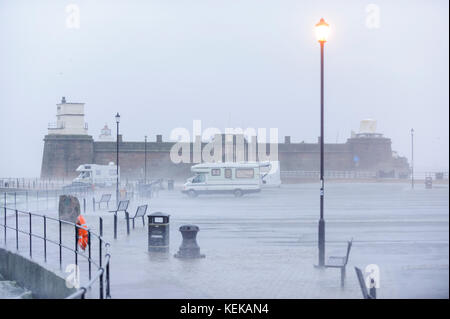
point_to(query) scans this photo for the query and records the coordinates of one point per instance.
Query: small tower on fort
(69, 119)
(105, 134)
(67, 144)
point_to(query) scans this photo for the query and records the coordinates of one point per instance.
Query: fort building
(68, 145)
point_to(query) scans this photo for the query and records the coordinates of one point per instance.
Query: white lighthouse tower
(69, 119)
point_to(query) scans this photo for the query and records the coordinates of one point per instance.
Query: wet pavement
(265, 245)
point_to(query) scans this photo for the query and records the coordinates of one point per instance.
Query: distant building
(68, 145)
(105, 134)
(69, 119)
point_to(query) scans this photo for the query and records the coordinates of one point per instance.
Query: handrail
(82, 291)
(101, 268)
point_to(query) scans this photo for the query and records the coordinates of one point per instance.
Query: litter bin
(170, 183)
(158, 232)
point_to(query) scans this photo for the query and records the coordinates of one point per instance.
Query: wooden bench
(367, 294)
(104, 199)
(140, 212)
(340, 262)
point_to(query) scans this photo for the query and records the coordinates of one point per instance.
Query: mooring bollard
(158, 232)
(189, 247)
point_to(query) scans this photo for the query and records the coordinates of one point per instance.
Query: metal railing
(36, 200)
(330, 174)
(102, 274)
(32, 183)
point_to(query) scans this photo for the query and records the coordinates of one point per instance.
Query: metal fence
(30, 230)
(435, 175)
(329, 174)
(32, 183)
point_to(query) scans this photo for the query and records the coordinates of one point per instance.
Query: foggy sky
(239, 63)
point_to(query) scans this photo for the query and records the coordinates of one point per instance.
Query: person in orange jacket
(82, 232)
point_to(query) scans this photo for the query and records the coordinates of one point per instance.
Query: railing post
(100, 253)
(45, 238)
(26, 198)
(17, 230)
(76, 245)
(15, 200)
(84, 205)
(5, 225)
(31, 248)
(100, 266)
(89, 253)
(101, 284)
(108, 291)
(60, 243)
(93, 204)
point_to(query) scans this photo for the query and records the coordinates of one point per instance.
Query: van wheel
(192, 193)
(238, 193)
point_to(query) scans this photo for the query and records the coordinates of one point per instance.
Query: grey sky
(244, 63)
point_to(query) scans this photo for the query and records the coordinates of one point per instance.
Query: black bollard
(115, 226)
(127, 217)
(189, 247)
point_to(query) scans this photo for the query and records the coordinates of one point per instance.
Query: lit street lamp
(117, 158)
(322, 31)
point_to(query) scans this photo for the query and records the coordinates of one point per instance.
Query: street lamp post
(412, 158)
(117, 158)
(145, 160)
(322, 31)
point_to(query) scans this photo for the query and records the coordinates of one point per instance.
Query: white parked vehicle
(99, 175)
(231, 178)
(270, 174)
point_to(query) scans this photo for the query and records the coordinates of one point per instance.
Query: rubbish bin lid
(159, 214)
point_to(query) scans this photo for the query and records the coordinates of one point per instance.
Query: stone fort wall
(64, 153)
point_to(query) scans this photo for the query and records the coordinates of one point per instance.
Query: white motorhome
(231, 178)
(100, 175)
(270, 174)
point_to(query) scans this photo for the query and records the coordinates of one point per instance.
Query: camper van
(231, 178)
(270, 174)
(99, 175)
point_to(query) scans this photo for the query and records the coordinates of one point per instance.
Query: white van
(270, 174)
(94, 174)
(231, 178)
